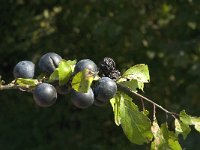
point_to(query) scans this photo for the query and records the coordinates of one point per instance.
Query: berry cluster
(45, 94)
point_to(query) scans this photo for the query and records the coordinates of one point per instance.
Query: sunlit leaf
(196, 123)
(115, 103)
(190, 120)
(96, 78)
(182, 128)
(138, 72)
(65, 70)
(71, 63)
(136, 125)
(133, 85)
(81, 81)
(185, 118)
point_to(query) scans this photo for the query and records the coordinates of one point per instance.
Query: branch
(12, 86)
(133, 95)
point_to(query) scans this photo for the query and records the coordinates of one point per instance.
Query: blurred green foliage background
(163, 34)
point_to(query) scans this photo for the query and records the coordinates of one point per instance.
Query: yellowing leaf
(163, 138)
(159, 141)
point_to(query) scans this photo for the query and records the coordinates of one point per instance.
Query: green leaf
(146, 112)
(115, 103)
(83, 80)
(141, 86)
(170, 137)
(138, 72)
(182, 128)
(174, 144)
(185, 118)
(71, 63)
(54, 76)
(65, 70)
(190, 120)
(26, 82)
(196, 123)
(133, 85)
(135, 124)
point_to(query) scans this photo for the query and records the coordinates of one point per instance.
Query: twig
(12, 86)
(133, 95)
(9, 87)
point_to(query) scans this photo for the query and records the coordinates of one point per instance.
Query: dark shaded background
(164, 35)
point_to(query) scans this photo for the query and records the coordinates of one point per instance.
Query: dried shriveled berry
(107, 68)
(107, 65)
(115, 74)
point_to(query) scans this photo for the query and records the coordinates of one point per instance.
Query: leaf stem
(154, 112)
(143, 106)
(133, 94)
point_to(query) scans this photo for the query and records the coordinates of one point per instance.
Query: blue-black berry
(45, 95)
(24, 69)
(49, 62)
